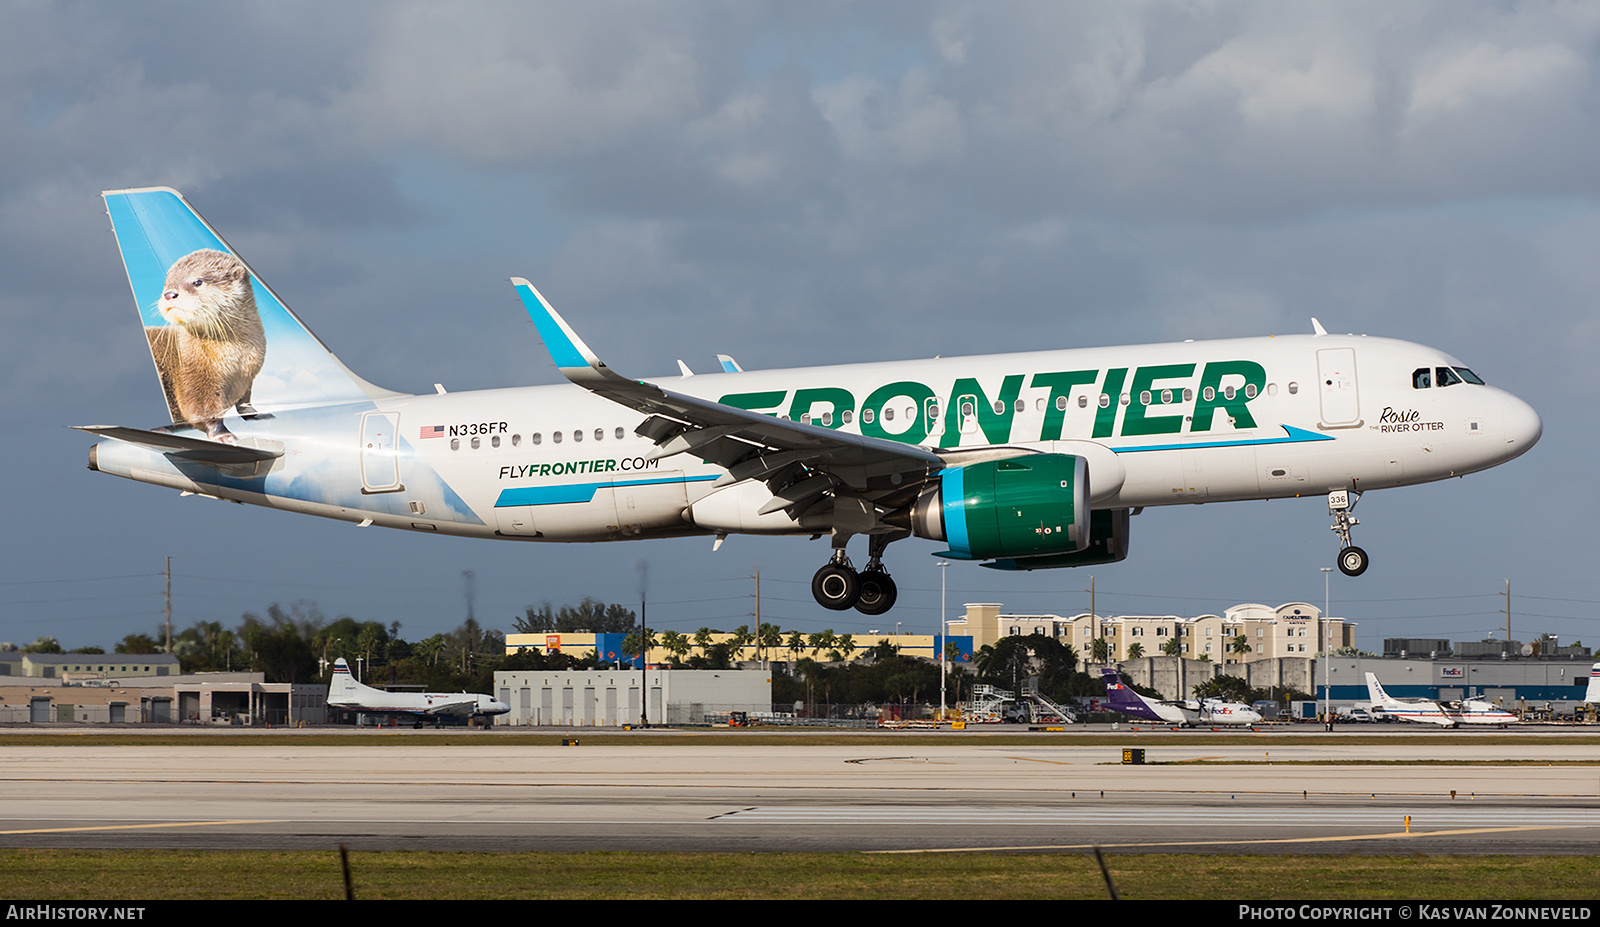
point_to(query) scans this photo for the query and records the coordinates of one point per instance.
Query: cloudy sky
(793, 184)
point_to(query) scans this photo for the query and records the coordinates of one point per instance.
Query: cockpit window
(1447, 377)
(1421, 378)
(1469, 376)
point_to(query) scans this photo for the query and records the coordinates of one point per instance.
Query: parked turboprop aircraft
(344, 692)
(1479, 711)
(1408, 709)
(1187, 712)
(1019, 461)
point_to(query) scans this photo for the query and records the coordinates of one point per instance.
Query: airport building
(84, 697)
(608, 646)
(612, 698)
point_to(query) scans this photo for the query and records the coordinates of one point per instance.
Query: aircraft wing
(454, 707)
(750, 445)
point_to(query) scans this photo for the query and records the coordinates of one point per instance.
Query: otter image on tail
(212, 347)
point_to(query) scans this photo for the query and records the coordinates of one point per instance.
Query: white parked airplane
(1592, 694)
(1408, 709)
(1018, 461)
(345, 693)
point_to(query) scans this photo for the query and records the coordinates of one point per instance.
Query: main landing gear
(1341, 504)
(838, 586)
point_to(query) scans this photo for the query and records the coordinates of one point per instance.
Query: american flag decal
(432, 431)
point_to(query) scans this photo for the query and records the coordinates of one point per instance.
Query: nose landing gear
(1353, 560)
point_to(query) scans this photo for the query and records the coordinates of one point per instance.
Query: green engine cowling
(1021, 507)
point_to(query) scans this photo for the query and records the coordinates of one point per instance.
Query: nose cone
(1522, 425)
(498, 708)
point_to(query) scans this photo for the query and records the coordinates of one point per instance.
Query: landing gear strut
(1341, 504)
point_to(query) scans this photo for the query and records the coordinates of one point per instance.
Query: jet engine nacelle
(1029, 506)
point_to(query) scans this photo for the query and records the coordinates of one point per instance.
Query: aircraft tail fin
(1375, 693)
(1593, 695)
(342, 685)
(222, 341)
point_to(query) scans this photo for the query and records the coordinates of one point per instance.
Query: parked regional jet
(1592, 694)
(1018, 461)
(1408, 709)
(344, 692)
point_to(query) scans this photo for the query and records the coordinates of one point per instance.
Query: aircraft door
(380, 461)
(1336, 381)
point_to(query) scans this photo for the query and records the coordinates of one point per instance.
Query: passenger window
(1105, 400)
(888, 414)
(866, 416)
(1210, 393)
(599, 434)
(1083, 402)
(1022, 405)
(846, 416)
(1421, 378)
(494, 441)
(555, 436)
(516, 440)
(535, 437)
(1227, 393)
(1144, 398)
(1249, 391)
(577, 434)
(1293, 387)
(1166, 397)
(475, 443)
(455, 444)
(619, 433)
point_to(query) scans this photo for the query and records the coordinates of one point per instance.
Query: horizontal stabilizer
(199, 450)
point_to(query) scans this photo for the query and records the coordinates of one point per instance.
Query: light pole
(1327, 652)
(944, 638)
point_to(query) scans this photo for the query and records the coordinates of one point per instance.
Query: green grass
(113, 875)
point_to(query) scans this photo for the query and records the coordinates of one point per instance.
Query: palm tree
(795, 643)
(1239, 645)
(847, 644)
(1135, 651)
(1172, 647)
(1102, 650)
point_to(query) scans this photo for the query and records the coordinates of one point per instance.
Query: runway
(1259, 795)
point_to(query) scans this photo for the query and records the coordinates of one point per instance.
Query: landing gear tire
(836, 587)
(878, 593)
(1353, 561)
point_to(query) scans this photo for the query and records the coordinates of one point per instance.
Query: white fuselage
(1158, 424)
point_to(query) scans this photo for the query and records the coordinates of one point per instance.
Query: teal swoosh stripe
(1293, 436)
(578, 492)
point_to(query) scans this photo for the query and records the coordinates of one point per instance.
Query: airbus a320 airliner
(1018, 461)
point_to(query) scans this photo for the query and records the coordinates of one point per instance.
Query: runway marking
(1140, 817)
(1210, 843)
(101, 827)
